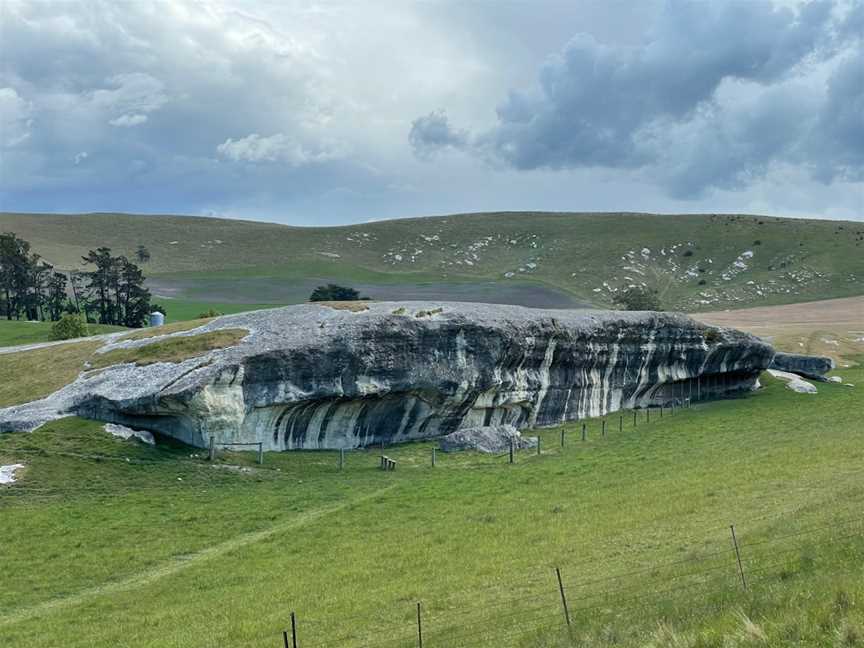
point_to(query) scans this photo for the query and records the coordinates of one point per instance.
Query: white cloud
(128, 120)
(277, 148)
(80, 157)
(15, 118)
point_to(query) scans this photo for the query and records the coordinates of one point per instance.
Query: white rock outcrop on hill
(313, 376)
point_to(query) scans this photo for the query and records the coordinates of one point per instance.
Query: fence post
(621, 423)
(563, 596)
(584, 432)
(212, 455)
(341, 458)
(293, 630)
(433, 457)
(538, 444)
(661, 410)
(648, 414)
(604, 427)
(699, 387)
(419, 627)
(562, 437)
(285, 638)
(634, 418)
(511, 450)
(260, 453)
(738, 556)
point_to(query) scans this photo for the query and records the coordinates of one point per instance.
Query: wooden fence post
(433, 457)
(584, 432)
(260, 453)
(511, 450)
(341, 458)
(604, 427)
(621, 423)
(212, 454)
(738, 556)
(419, 627)
(562, 437)
(563, 596)
(538, 444)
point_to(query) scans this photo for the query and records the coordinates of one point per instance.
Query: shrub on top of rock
(334, 292)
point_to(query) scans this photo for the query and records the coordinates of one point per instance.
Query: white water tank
(157, 319)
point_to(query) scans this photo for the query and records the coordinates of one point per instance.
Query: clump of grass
(353, 306)
(713, 336)
(399, 311)
(175, 327)
(31, 375)
(173, 349)
(428, 313)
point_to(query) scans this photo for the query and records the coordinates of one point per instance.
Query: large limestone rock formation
(813, 367)
(315, 376)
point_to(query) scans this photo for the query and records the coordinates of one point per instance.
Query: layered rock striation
(813, 367)
(316, 376)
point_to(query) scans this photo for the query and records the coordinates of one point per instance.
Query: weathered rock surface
(489, 439)
(813, 367)
(312, 376)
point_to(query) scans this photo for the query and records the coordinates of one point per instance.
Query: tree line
(109, 290)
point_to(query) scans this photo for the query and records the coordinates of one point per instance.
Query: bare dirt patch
(834, 327)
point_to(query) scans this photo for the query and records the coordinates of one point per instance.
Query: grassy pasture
(15, 333)
(695, 260)
(110, 543)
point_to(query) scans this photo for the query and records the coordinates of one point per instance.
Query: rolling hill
(696, 261)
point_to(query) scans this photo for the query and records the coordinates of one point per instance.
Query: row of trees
(110, 291)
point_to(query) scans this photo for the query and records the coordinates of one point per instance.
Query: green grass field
(14, 332)
(112, 543)
(697, 262)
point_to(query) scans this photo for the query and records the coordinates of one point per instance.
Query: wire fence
(552, 600)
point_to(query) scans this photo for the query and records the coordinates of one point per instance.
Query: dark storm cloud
(714, 95)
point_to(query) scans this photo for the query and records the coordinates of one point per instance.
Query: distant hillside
(697, 262)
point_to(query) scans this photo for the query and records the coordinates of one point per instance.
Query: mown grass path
(174, 566)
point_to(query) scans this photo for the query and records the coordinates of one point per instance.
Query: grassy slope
(797, 260)
(31, 375)
(155, 547)
(14, 333)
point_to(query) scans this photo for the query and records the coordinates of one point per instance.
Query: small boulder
(794, 382)
(490, 439)
(128, 433)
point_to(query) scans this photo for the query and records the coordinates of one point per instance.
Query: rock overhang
(312, 376)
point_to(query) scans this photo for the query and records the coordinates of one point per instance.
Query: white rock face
(794, 382)
(7, 473)
(313, 376)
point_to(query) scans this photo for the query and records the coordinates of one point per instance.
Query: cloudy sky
(337, 112)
